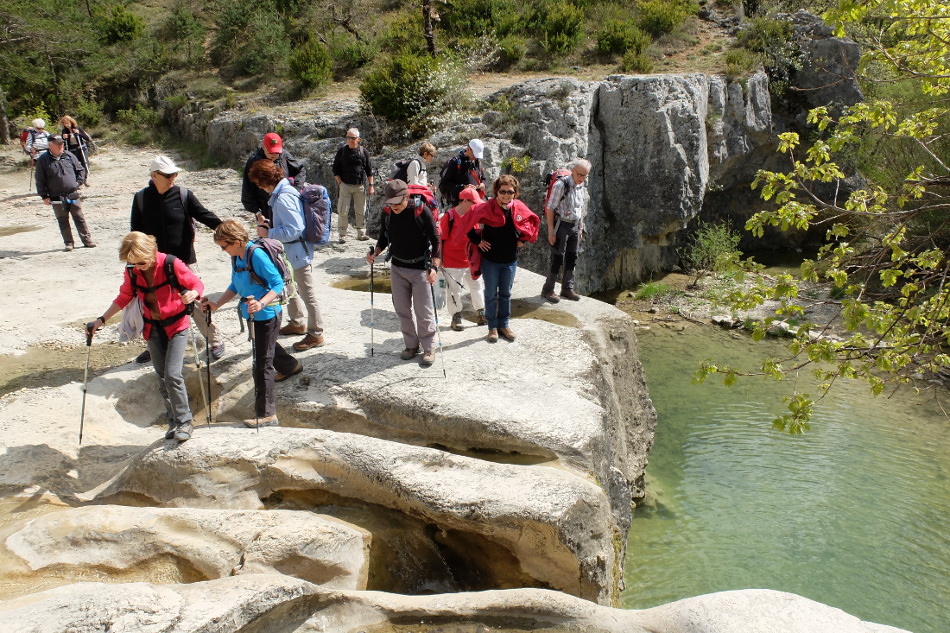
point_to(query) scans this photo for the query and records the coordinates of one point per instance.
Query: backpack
(26, 133)
(552, 177)
(400, 169)
(446, 182)
(316, 214)
(139, 199)
(275, 251)
(171, 279)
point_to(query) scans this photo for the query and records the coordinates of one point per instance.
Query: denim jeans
(498, 281)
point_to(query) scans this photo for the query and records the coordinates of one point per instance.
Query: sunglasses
(136, 264)
(506, 192)
(352, 138)
(225, 246)
(166, 176)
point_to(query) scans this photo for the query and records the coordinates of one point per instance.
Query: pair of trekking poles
(372, 314)
(194, 345)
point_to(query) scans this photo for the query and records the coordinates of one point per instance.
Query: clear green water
(855, 514)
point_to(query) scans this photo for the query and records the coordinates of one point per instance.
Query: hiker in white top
(564, 213)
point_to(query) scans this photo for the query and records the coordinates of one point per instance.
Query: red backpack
(552, 177)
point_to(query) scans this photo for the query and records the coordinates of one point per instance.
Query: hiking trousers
(412, 293)
(563, 252)
(356, 193)
(454, 280)
(168, 356)
(271, 359)
(62, 211)
(305, 302)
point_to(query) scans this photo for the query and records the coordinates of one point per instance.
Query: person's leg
(210, 332)
(402, 302)
(157, 343)
(359, 209)
(265, 342)
(557, 256)
(62, 218)
(475, 288)
(174, 358)
(306, 298)
(453, 281)
(490, 275)
(572, 242)
(75, 209)
(423, 308)
(343, 208)
(506, 278)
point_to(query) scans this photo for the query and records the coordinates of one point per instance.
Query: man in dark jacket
(352, 167)
(168, 213)
(253, 198)
(463, 170)
(59, 175)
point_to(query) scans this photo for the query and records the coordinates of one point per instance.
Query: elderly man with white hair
(564, 213)
(353, 170)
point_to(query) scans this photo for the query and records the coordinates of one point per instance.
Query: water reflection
(853, 514)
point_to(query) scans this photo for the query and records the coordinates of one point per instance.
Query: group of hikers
(474, 243)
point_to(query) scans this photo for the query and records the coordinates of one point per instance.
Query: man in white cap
(168, 213)
(38, 140)
(59, 175)
(463, 170)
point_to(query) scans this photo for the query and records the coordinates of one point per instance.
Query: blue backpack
(316, 214)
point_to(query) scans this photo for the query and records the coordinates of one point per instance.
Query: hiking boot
(428, 357)
(68, 248)
(361, 235)
(217, 351)
(409, 353)
(90, 245)
(480, 318)
(256, 423)
(570, 294)
(457, 322)
(507, 334)
(550, 296)
(307, 342)
(144, 357)
(170, 433)
(296, 370)
(342, 239)
(492, 335)
(183, 432)
(290, 328)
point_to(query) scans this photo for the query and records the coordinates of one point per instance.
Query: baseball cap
(395, 191)
(477, 147)
(470, 193)
(272, 143)
(163, 164)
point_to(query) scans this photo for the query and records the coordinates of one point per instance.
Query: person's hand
(552, 237)
(188, 296)
(519, 243)
(207, 306)
(262, 231)
(91, 328)
(484, 246)
(46, 201)
(253, 305)
(371, 255)
(431, 276)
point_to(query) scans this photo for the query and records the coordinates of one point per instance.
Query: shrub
(712, 248)
(118, 24)
(659, 17)
(511, 50)
(616, 37)
(560, 27)
(482, 17)
(636, 62)
(404, 33)
(311, 64)
(411, 88)
(740, 62)
(185, 35)
(350, 54)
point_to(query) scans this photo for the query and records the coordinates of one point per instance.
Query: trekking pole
(250, 326)
(208, 363)
(372, 308)
(194, 347)
(438, 332)
(85, 159)
(85, 378)
(30, 188)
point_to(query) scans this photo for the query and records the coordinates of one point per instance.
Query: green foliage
(560, 27)
(740, 63)
(184, 35)
(636, 62)
(311, 64)
(139, 124)
(118, 24)
(482, 17)
(655, 290)
(659, 17)
(515, 164)
(511, 50)
(404, 33)
(350, 54)
(617, 36)
(712, 248)
(250, 39)
(415, 89)
(771, 42)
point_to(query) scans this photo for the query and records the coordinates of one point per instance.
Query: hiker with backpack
(463, 170)
(506, 225)
(456, 267)
(253, 198)
(564, 210)
(258, 282)
(168, 212)
(288, 227)
(413, 171)
(59, 175)
(77, 140)
(353, 170)
(167, 289)
(408, 229)
(37, 140)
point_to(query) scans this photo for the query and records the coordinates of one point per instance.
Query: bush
(415, 89)
(139, 123)
(511, 50)
(404, 33)
(482, 17)
(560, 27)
(185, 35)
(311, 64)
(712, 248)
(350, 54)
(659, 17)
(636, 62)
(740, 62)
(616, 37)
(118, 24)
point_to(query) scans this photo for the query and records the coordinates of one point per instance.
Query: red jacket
(166, 295)
(490, 213)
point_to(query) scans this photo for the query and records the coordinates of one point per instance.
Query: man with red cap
(456, 267)
(253, 197)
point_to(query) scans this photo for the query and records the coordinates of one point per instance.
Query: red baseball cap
(272, 143)
(470, 193)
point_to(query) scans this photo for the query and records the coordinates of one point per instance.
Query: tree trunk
(4, 123)
(427, 29)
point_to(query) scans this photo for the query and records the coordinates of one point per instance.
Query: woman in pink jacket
(167, 288)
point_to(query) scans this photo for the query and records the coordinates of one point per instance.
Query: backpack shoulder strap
(170, 273)
(184, 197)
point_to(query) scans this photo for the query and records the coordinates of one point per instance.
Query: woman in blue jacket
(288, 228)
(272, 363)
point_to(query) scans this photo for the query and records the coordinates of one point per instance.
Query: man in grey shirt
(564, 213)
(59, 175)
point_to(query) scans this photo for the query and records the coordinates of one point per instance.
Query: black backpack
(400, 169)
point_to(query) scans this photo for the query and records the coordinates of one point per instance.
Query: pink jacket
(166, 294)
(490, 213)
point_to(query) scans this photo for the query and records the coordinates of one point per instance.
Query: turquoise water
(854, 514)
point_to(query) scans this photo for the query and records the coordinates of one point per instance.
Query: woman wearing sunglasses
(506, 225)
(167, 288)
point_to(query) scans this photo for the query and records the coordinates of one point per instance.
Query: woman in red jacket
(167, 288)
